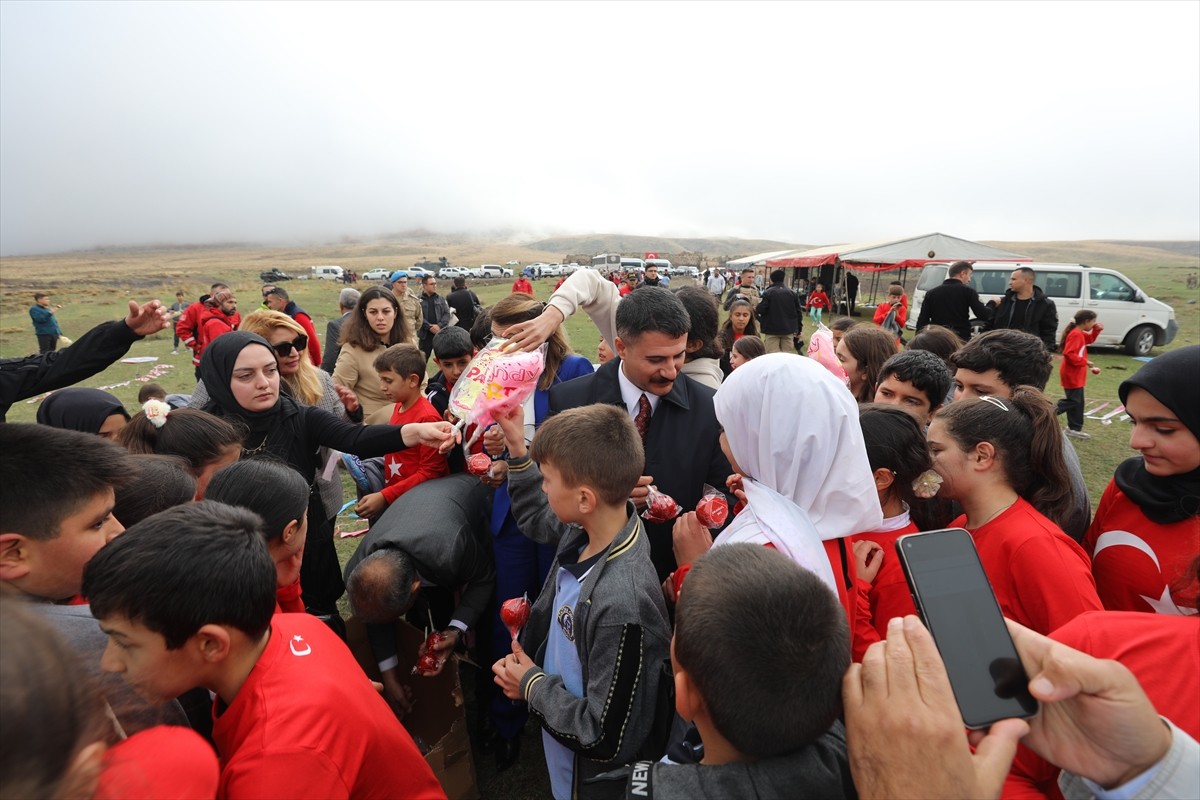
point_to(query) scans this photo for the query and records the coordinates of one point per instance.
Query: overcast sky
(804, 122)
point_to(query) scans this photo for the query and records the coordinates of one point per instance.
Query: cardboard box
(438, 720)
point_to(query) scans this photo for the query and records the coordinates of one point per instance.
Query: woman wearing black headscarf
(86, 410)
(241, 373)
(1147, 528)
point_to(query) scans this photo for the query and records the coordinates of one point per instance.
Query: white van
(328, 273)
(1131, 318)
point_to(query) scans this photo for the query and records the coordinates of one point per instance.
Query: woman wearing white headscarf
(791, 431)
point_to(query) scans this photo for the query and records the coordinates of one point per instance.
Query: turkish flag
(651, 255)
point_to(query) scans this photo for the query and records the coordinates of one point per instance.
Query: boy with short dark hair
(187, 599)
(57, 492)
(995, 363)
(767, 713)
(599, 627)
(401, 370)
(915, 381)
(151, 391)
(452, 352)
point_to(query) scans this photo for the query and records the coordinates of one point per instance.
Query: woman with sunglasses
(375, 325)
(1002, 460)
(241, 373)
(307, 385)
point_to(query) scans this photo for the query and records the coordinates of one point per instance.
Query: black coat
(950, 305)
(1041, 318)
(779, 311)
(333, 332)
(682, 448)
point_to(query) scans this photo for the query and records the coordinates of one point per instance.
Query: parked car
(453, 272)
(551, 271)
(513, 263)
(328, 273)
(380, 274)
(1132, 319)
(274, 276)
(416, 274)
(494, 271)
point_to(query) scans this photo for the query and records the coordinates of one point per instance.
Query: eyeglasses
(300, 344)
(987, 398)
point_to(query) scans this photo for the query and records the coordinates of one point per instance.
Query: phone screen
(956, 602)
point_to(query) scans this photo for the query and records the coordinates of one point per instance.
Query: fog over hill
(625, 243)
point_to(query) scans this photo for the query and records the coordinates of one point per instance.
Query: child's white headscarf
(794, 430)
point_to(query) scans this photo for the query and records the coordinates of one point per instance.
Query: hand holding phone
(956, 602)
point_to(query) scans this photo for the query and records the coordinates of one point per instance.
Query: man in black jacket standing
(780, 315)
(464, 302)
(1025, 307)
(674, 413)
(951, 304)
(436, 313)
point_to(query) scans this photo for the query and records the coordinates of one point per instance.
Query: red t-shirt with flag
(405, 468)
(1162, 652)
(1041, 576)
(1138, 564)
(308, 724)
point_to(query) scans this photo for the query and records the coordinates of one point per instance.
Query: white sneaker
(1078, 434)
(174, 352)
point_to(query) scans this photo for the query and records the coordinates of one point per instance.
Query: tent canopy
(898, 254)
(750, 261)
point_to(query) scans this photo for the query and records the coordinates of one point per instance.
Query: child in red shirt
(1002, 460)
(1146, 530)
(899, 460)
(1081, 331)
(817, 302)
(279, 495)
(187, 598)
(401, 369)
(895, 299)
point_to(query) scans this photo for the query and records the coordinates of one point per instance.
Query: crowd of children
(171, 592)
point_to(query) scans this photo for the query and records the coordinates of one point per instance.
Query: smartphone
(956, 603)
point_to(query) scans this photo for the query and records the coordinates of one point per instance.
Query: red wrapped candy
(514, 614)
(431, 660)
(479, 464)
(713, 508)
(660, 507)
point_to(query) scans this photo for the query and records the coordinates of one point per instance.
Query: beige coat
(355, 370)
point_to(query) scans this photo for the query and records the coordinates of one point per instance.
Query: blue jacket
(44, 321)
(572, 367)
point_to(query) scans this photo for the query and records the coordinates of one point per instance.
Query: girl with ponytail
(1081, 331)
(1002, 460)
(205, 442)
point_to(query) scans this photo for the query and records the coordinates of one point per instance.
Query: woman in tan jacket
(375, 324)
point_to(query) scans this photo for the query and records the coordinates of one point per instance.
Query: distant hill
(622, 243)
(1114, 254)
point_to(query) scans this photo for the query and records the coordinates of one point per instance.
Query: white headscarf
(794, 430)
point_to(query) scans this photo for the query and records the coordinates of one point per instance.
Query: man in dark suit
(676, 413)
(347, 300)
(434, 542)
(951, 304)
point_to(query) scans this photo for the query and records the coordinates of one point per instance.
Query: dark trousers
(1072, 406)
(47, 342)
(426, 345)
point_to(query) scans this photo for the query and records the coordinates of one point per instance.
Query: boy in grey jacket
(599, 627)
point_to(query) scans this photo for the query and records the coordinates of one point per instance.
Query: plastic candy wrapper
(514, 614)
(494, 383)
(431, 660)
(820, 349)
(479, 464)
(713, 508)
(660, 507)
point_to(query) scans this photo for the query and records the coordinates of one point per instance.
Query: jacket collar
(609, 388)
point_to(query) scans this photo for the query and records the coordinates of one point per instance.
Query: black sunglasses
(300, 343)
